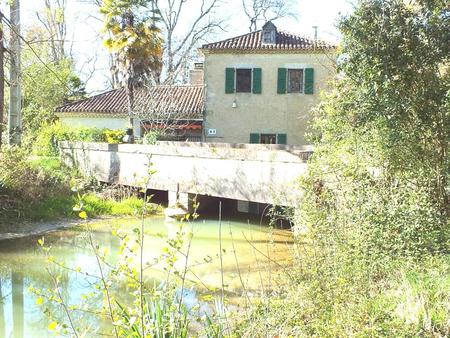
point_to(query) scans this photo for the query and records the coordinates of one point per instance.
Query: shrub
(151, 137)
(48, 137)
(25, 184)
(113, 136)
(46, 142)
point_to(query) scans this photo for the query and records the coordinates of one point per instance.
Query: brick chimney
(196, 74)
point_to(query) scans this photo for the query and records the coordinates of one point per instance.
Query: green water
(246, 248)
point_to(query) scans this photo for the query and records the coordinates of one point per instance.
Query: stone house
(261, 86)
(254, 88)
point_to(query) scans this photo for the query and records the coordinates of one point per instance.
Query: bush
(151, 137)
(46, 142)
(113, 136)
(26, 184)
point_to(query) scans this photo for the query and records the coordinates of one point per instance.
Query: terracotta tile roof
(178, 102)
(253, 41)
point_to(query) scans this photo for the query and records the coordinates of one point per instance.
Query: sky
(84, 29)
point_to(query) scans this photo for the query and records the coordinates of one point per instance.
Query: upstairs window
(243, 80)
(295, 81)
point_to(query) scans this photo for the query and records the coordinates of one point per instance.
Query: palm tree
(136, 40)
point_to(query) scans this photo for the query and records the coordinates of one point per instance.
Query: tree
(181, 41)
(53, 20)
(46, 84)
(133, 35)
(376, 194)
(15, 99)
(378, 184)
(403, 86)
(266, 10)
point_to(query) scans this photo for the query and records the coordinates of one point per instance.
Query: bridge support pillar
(180, 199)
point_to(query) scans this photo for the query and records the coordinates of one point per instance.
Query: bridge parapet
(248, 172)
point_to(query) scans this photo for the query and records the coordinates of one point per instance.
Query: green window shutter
(229, 80)
(281, 139)
(281, 87)
(309, 81)
(257, 74)
(254, 138)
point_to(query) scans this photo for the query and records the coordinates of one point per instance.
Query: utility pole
(15, 97)
(2, 80)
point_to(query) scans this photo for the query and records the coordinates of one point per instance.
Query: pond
(252, 257)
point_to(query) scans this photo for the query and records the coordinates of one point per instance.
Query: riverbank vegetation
(373, 254)
(41, 188)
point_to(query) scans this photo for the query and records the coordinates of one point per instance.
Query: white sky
(85, 40)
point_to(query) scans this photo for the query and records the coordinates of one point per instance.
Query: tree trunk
(15, 100)
(2, 83)
(130, 96)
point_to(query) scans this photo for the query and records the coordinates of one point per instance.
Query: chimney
(196, 74)
(315, 32)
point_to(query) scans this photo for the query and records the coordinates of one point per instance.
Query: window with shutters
(295, 81)
(268, 138)
(243, 80)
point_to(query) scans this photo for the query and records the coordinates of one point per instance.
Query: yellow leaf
(52, 326)
(39, 301)
(82, 215)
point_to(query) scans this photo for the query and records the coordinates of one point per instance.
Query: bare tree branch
(53, 20)
(180, 47)
(266, 10)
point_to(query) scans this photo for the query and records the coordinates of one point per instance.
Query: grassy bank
(41, 188)
(62, 206)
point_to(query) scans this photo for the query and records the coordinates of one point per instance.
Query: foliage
(151, 137)
(411, 301)
(134, 37)
(94, 205)
(38, 188)
(146, 310)
(46, 143)
(113, 136)
(25, 184)
(45, 84)
(373, 223)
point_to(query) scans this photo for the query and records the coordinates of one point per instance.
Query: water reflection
(23, 264)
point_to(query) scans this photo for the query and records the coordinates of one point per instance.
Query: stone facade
(233, 117)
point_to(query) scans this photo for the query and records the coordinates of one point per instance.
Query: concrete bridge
(244, 172)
